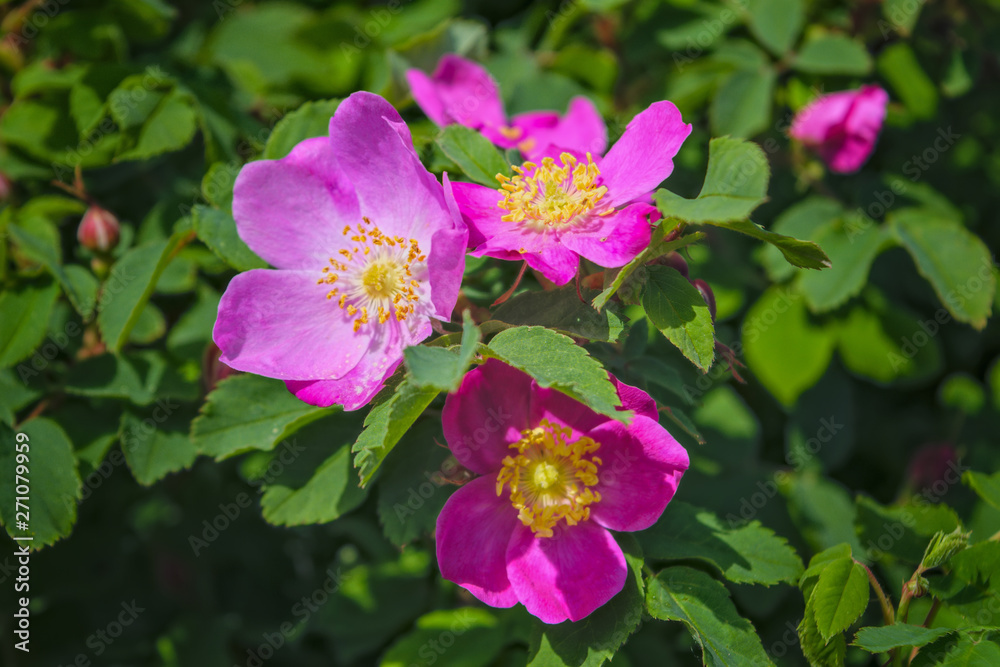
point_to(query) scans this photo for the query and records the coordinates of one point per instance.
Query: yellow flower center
(551, 196)
(549, 478)
(376, 275)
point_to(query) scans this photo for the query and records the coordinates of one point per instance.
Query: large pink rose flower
(843, 127)
(460, 91)
(554, 212)
(555, 478)
(368, 248)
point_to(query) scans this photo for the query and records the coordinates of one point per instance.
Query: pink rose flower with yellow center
(460, 91)
(843, 127)
(553, 212)
(367, 247)
(554, 478)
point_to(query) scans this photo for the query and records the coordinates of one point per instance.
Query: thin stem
(931, 613)
(517, 281)
(887, 614)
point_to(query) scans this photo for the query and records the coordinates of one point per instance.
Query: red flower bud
(706, 294)
(98, 230)
(674, 261)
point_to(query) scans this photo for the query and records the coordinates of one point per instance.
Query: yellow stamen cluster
(375, 275)
(550, 479)
(551, 196)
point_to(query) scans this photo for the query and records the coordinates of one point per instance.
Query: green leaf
(474, 153)
(962, 392)
(133, 378)
(840, 596)
(247, 412)
(561, 309)
(152, 452)
(556, 361)
(833, 54)
(785, 370)
(128, 288)
(312, 119)
(803, 254)
(851, 252)
(742, 105)
(25, 310)
(899, 66)
(169, 127)
(818, 651)
(386, 424)
(53, 482)
(800, 221)
(879, 341)
(901, 16)
(676, 307)
(703, 605)
(955, 261)
(475, 637)
(413, 486)
(884, 639)
(747, 554)
(78, 283)
(903, 531)
(329, 494)
(776, 23)
(986, 486)
(735, 184)
(595, 639)
(217, 230)
(442, 369)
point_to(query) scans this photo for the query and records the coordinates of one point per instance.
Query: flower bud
(706, 294)
(98, 230)
(674, 261)
(931, 465)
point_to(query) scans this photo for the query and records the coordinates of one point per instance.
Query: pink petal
(812, 123)
(373, 147)
(460, 91)
(557, 407)
(473, 530)
(635, 399)
(486, 415)
(641, 467)
(643, 157)
(353, 391)
(291, 211)
(580, 131)
(490, 235)
(612, 240)
(566, 576)
(281, 325)
(447, 258)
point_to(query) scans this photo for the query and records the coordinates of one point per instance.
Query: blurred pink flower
(555, 478)
(461, 91)
(843, 127)
(368, 248)
(554, 212)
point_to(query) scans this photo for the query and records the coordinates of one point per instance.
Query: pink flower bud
(98, 230)
(931, 465)
(674, 261)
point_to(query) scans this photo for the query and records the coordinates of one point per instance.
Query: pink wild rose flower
(554, 478)
(367, 245)
(461, 91)
(555, 211)
(843, 127)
